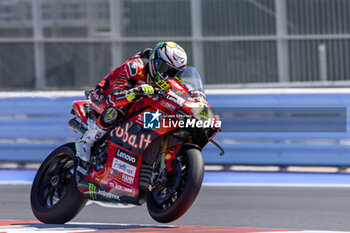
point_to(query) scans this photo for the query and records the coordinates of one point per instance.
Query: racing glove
(117, 98)
(137, 92)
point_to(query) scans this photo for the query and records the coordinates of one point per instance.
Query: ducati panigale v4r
(152, 156)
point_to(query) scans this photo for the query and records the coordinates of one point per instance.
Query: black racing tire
(55, 198)
(191, 186)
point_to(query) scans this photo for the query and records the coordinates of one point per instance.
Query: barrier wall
(33, 124)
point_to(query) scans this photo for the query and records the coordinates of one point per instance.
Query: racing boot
(83, 146)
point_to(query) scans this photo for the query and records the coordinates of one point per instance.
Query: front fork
(168, 154)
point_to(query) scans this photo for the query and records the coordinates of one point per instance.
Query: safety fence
(72, 44)
(285, 127)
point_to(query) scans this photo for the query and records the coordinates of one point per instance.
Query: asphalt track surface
(294, 208)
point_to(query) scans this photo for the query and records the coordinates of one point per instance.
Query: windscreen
(192, 80)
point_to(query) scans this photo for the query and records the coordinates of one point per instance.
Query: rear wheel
(184, 182)
(54, 196)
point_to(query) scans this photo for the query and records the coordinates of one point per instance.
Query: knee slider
(110, 116)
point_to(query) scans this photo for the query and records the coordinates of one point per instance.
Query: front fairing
(185, 100)
(189, 90)
(197, 112)
(190, 98)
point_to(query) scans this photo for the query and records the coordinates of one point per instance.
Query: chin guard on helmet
(162, 84)
(167, 60)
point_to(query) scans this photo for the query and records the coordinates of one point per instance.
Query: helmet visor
(165, 70)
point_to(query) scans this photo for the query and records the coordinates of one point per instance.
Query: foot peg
(83, 169)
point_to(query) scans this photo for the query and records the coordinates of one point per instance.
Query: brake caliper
(170, 155)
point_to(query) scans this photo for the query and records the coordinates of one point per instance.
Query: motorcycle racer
(127, 83)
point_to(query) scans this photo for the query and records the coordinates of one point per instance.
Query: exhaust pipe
(76, 126)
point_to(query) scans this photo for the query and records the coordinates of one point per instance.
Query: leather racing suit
(108, 97)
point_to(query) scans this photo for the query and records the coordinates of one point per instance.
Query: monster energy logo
(92, 191)
(110, 113)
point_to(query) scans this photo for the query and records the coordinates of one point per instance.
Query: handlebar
(159, 93)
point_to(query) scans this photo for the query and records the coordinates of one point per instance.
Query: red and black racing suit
(108, 97)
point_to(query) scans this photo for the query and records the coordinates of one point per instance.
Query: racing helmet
(167, 60)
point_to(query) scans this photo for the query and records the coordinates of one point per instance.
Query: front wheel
(54, 195)
(184, 182)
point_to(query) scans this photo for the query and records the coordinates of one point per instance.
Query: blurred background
(72, 44)
(237, 45)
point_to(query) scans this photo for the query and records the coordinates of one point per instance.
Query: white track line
(72, 227)
(15, 182)
(44, 94)
(280, 91)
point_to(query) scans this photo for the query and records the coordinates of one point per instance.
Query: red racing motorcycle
(153, 156)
